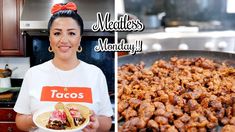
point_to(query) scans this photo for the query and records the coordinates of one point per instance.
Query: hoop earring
(50, 49)
(79, 49)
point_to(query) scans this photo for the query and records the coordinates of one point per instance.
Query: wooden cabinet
(7, 120)
(11, 40)
(9, 127)
(7, 114)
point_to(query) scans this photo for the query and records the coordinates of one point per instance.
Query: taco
(78, 114)
(58, 120)
(69, 116)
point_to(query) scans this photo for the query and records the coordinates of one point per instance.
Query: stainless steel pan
(150, 57)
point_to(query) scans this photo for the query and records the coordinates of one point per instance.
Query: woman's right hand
(93, 124)
(25, 122)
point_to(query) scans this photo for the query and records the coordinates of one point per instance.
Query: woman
(65, 76)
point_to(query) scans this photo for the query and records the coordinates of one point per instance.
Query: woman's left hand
(93, 124)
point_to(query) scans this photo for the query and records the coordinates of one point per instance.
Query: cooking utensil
(5, 82)
(1, 71)
(7, 72)
(150, 57)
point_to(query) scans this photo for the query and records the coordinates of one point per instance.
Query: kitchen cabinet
(11, 40)
(7, 120)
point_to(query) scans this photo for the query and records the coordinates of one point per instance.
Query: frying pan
(150, 57)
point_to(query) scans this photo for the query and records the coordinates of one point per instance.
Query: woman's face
(65, 38)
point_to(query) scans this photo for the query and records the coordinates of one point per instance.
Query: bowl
(46, 112)
(5, 82)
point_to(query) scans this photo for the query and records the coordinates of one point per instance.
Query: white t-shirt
(45, 84)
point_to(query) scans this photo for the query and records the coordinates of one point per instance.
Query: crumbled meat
(211, 117)
(161, 120)
(228, 128)
(178, 112)
(202, 121)
(159, 105)
(146, 110)
(185, 118)
(220, 113)
(215, 104)
(178, 124)
(192, 129)
(229, 112)
(169, 107)
(233, 113)
(192, 105)
(160, 112)
(128, 113)
(153, 124)
(182, 94)
(122, 105)
(202, 129)
(212, 125)
(225, 120)
(172, 129)
(134, 103)
(164, 128)
(133, 124)
(232, 121)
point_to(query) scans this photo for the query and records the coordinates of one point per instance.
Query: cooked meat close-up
(176, 95)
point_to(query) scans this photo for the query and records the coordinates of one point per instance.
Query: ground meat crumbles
(182, 94)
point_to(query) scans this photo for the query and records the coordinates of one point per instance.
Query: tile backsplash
(22, 64)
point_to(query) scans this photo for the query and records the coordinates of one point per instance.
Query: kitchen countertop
(16, 83)
(9, 103)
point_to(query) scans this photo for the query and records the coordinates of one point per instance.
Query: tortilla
(43, 118)
(66, 110)
(85, 111)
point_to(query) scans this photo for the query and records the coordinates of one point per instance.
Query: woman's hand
(25, 122)
(93, 124)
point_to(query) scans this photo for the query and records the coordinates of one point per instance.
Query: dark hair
(67, 13)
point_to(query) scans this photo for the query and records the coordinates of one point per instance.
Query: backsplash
(22, 64)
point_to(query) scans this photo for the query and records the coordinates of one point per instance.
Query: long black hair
(67, 13)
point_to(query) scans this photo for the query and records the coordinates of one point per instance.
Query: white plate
(43, 127)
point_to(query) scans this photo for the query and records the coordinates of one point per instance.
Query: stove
(190, 39)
